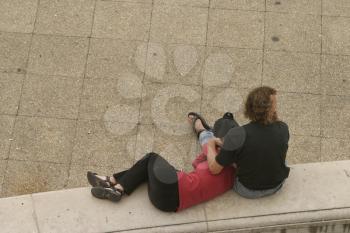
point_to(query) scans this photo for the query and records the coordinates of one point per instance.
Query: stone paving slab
(254, 5)
(24, 177)
(246, 29)
(303, 205)
(178, 24)
(71, 18)
(124, 215)
(293, 32)
(6, 124)
(42, 139)
(104, 143)
(292, 72)
(56, 55)
(122, 20)
(18, 15)
(112, 80)
(50, 96)
(10, 92)
(295, 6)
(21, 207)
(14, 48)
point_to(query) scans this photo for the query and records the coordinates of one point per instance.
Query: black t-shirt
(259, 152)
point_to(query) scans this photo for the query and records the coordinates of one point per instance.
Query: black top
(259, 152)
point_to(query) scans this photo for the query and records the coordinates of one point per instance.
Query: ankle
(119, 187)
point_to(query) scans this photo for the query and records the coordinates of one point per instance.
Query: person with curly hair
(258, 149)
(249, 158)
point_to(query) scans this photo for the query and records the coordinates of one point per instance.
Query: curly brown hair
(259, 104)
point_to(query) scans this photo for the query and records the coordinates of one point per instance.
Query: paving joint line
(80, 97)
(143, 82)
(34, 214)
(19, 101)
(320, 87)
(263, 49)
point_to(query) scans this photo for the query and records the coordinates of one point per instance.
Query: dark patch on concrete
(347, 173)
(277, 3)
(275, 39)
(313, 229)
(283, 231)
(346, 228)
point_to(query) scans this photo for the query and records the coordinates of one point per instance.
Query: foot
(111, 193)
(198, 125)
(100, 181)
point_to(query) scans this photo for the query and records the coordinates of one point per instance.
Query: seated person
(258, 149)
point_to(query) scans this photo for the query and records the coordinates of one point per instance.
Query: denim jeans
(252, 194)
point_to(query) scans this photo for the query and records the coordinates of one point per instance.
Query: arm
(214, 167)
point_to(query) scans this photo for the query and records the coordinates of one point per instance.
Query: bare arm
(214, 167)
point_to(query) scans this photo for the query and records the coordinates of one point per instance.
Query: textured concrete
(303, 205)
(96, 84)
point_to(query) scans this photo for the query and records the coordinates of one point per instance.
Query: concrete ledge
(316, 198)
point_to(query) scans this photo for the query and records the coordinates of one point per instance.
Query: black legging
(162, 181)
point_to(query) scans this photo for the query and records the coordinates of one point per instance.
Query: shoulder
(282, 125)
(283, 129)
(234, 138)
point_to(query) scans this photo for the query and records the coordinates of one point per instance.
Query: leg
(136, 175)
(163, 184)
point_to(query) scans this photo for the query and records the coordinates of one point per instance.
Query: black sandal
(110, 193)
(95, 181)
(197, 116)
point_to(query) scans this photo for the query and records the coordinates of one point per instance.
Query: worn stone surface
(303, 149)
(102, 83)
(168, 105)
(57, 55)
(246, 29)
(43, 139)
(111, 58)
(174, 63)
(295, 6)
(255, 5)
(293, 32)
(71, 18)
(230, 67)
(292, 72)
(301, 112)
(50, 96)
(14, 50)
(335, 149)
(15, 210)
(335, 116)
(110, 100)
(17, 15)
(6, 124)
(122, 20)
(103, 143)
(31, 177)
(335, 76)
(178, 24)
(10, 92)
(335, 35)
(336, 7)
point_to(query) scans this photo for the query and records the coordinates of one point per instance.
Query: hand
(218, 142)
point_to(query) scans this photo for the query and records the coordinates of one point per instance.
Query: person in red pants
(169, 189)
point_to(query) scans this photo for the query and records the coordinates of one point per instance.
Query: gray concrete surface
(94, 84)
(313, 200)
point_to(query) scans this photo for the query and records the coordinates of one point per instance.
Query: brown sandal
(95, 181)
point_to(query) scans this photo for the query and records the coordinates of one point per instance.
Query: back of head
(260, 105)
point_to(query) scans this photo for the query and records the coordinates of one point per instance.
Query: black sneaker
(111, 193)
